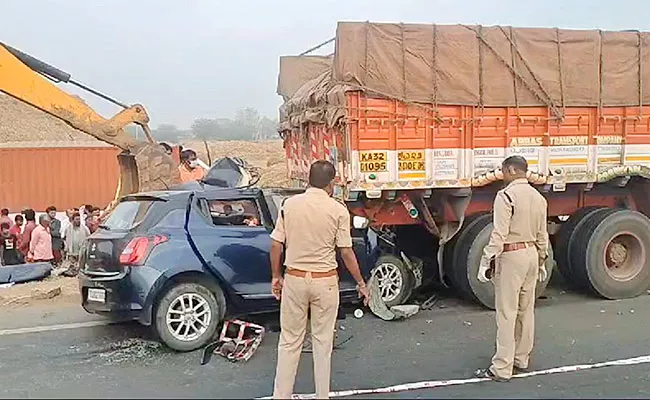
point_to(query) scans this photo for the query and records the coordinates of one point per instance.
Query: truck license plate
(97, 295)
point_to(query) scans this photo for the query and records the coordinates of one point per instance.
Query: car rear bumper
(126, 295)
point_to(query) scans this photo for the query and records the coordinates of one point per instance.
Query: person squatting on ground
(40, 245)
(515, 255)
(309, 228)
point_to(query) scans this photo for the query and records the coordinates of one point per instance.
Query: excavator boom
(143, 166)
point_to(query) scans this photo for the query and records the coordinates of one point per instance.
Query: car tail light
(136, 252)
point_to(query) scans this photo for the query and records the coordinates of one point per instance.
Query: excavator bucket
(146, 168)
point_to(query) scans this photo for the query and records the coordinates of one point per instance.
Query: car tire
(201, 325)
(396, 282)
(566, 236)
(468, 257)
(612, 254)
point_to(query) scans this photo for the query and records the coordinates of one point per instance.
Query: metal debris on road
(467, 323)
(238, 341)
(429, 303)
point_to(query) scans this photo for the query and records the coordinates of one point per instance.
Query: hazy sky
(185, 59)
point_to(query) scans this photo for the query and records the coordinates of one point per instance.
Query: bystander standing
(40, 245)
(9, 254)
(4, 217)
(26, 237)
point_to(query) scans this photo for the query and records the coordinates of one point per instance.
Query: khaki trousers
(514, 281)
(321, 297)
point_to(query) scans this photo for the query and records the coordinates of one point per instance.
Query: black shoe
(486, 373)
(519, 371)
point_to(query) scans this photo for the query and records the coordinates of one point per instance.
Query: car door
(274, 199)
(239, 253)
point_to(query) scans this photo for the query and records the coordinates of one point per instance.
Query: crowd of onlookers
(48, 239)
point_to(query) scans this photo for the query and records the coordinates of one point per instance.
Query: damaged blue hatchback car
(183, 260)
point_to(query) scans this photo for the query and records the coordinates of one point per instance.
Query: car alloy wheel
(188, 317)
(389, 279)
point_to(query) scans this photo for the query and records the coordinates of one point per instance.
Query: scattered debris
(342, 327)
(467, 323)
(131, 349)
(336, 346)
(429, 321)
(405, 310)
(429, 303)
(358, 313)
(602, 311)
(238, 341)
(632, 311)
(619, 312)
(7, 285)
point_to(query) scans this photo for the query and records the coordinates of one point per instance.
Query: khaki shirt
(519, 216)
(314, 225)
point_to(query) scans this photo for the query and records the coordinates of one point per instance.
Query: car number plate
(97, 295)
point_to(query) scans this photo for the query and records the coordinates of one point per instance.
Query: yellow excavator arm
(143, 166)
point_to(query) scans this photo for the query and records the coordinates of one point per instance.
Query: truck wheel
(448, 251)
(611, 253)
(187, 316)
(566, 236)
(468, 258)
(395, 280)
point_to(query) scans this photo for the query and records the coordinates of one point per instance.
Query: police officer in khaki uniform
(516, 254)
(309, 229)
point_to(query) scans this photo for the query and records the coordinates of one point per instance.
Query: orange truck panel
(64, 177)
(386, 144)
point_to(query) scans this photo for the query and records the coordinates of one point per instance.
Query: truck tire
(190, 329)
(611, 254)
(468, 257)
(396, 282)
(566, 236)
(448, 251)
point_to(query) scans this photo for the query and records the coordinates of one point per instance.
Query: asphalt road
(119, 361)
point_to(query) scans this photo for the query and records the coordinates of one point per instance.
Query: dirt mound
(20, 122)
(51, 289)
(268, 156)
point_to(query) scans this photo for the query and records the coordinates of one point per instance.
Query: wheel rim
(624, 256)
(390, 281)
(188, 317)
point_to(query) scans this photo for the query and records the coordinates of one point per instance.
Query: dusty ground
(52, 290)
(268, 156)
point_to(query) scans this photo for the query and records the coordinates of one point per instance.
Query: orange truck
(418, 118)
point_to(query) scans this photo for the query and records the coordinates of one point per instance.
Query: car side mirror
(359, 222)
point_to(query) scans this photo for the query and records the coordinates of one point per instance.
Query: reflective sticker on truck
(373, 161)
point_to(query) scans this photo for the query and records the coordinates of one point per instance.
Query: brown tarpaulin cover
(481, 66)
(495, 66)
(295, 71)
